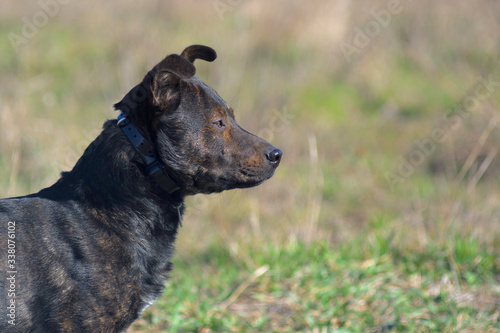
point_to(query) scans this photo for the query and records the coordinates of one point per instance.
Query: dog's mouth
(241, 184)
(218, 183)
(248, 178)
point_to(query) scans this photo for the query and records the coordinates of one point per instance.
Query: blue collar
(145, 149)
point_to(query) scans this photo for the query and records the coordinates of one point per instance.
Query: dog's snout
(274, 155)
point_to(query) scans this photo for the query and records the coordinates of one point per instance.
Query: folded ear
(194, 52)
(163, 80)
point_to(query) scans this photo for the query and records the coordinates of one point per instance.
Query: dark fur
(94, 249)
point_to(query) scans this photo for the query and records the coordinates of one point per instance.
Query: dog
(91, 252)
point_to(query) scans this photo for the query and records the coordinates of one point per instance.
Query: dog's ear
(165, 89)
(166, 79)
(177, 65)
(194, 52)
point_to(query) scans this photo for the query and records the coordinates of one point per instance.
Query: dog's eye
(219, 123)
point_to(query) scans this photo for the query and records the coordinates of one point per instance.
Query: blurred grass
(346, 251)
(365, 284)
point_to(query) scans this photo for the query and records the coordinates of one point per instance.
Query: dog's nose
(274, 156)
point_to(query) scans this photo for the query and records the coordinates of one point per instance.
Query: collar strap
(145, 149)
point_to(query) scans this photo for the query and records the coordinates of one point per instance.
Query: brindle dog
(91, 252)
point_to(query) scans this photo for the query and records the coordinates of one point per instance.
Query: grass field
(384, 215)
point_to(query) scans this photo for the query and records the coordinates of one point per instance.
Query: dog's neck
(111, 171)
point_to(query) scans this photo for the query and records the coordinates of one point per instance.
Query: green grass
(366, 285)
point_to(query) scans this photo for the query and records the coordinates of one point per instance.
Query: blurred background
(387, 113)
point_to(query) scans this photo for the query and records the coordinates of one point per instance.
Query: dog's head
(193, 130)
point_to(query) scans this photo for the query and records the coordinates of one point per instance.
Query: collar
(145, 149)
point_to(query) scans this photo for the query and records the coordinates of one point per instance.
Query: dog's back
(41, 266)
